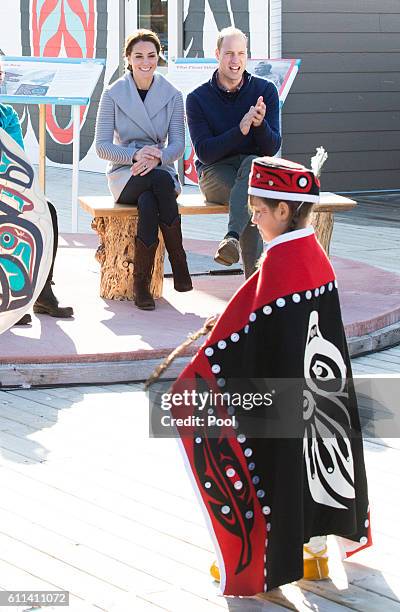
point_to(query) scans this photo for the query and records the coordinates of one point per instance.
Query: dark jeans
(227, 181)
(155, 196)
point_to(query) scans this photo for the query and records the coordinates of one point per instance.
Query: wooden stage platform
(113, 341)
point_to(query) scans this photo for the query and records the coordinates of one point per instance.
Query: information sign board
(35, 80)
(45, 81)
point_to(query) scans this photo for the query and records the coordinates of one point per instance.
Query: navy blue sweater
(213, 118)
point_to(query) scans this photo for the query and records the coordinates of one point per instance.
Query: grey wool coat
(125, 124)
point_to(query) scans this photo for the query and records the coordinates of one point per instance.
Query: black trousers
(155, 196)
(53, 214)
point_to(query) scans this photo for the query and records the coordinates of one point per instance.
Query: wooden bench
(116, 225)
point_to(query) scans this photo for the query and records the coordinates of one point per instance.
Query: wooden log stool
(116, 225)
(323, 215)
(115, 255)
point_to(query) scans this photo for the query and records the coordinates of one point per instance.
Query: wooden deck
(91, 505)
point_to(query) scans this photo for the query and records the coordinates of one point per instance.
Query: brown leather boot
(47, 303)
(172, 235)
(142, 272)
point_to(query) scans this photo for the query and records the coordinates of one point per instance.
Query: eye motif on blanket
(26, 234)
(326, 446)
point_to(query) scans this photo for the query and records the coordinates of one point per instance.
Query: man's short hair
(231, 31)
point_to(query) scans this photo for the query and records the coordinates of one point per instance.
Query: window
(153, 15)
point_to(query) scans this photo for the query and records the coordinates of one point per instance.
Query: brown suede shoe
(228, 251)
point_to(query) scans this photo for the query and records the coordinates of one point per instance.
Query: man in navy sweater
(232, 119)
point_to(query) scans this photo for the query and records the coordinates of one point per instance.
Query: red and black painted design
(64, 28)
(215, 457)
(218, 466)
(271, 177)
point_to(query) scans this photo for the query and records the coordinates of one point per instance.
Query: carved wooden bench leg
(115, 255)
(323, 225)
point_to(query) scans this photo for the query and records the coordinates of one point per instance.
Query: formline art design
(26, 234)
(72, 29)
(326, 444)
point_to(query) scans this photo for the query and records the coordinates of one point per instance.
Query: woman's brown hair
(139, 36)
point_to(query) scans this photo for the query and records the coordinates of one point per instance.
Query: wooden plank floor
(90, 504)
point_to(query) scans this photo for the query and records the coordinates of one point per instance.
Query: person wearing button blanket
(140, 131)
(287, 472)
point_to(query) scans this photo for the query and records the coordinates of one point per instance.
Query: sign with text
(49, 80)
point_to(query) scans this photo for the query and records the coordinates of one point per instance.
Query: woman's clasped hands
(145, 160)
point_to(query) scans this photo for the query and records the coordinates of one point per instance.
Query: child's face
(271, 222)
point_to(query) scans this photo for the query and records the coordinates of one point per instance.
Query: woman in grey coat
(140, 131)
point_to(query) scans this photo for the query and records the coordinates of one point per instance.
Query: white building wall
(259, 28)
(275, 28)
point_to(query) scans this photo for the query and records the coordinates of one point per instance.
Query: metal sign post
(42, 146)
